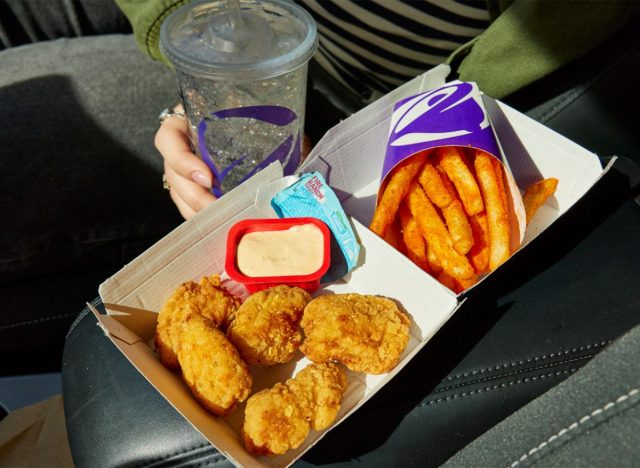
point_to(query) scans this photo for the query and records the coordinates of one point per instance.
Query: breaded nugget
(166, 340)
(273, 422)
(208, 298)
(365, 333)
(265, 328)
(278, 419)
(211, 366)
(319, 389)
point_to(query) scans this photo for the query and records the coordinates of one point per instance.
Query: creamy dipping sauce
(298, 250)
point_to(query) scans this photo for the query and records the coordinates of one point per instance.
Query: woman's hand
(188, 177)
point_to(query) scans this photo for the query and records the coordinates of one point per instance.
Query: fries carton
(350, 157)
(433, 139)
(451, 115)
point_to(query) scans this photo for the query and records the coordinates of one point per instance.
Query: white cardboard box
(350, 158)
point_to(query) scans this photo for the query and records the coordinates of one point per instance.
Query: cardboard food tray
(350, 157)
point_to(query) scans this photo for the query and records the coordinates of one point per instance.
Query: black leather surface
(542, 316)
(114, 417)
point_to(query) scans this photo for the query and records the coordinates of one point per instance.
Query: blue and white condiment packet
(311, 196)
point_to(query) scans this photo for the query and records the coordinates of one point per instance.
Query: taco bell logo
(218, 131)
(452, 115)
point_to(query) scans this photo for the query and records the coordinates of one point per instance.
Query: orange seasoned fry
(537, 194)
(457, 286)
(394, 237)
(435, 232)
(479, 253)
(453, 164)
(466, 283)
(431, 225)
(394, 192)
(434, 186)
(442, 193)
(497, 167)
(432, 261)
(459, 227)
(413, 240)
(448, 185)
(447, 280)
(497, 216)
(434, 264)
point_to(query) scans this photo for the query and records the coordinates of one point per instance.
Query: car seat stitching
(582, 89)
(572, 96)
(529, 360)
(34, 321)
(209, 462)
(499, 386)
(193, 448)
(96, 303)
(516, 372)
(573, 426)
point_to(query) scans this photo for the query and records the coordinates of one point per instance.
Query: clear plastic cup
(242, 79)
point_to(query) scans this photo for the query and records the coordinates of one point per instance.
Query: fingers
(172, 141)
(188, 196)
(189, 178)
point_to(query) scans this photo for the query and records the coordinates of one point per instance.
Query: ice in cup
(241, 69)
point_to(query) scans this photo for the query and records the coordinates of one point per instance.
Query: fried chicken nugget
(319, 389)
(273, 422)
(208, 298)
(365, 333)
(211, 366)
(278, 419)
(265, 328)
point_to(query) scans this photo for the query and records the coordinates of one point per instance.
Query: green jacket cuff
(146, 17)
(531, 39)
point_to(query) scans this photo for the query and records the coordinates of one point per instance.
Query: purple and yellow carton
(451, 115)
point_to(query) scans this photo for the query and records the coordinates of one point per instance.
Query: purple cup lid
(452, 115)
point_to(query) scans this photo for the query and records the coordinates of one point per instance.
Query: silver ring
(165, 184)
(167, 113)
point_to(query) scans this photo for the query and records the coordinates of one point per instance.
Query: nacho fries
(453, 204)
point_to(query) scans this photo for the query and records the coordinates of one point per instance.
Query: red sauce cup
(310, 282)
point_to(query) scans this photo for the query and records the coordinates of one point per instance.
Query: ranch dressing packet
(311, 196)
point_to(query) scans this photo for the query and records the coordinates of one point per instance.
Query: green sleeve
(531, 39)
(146, 17)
